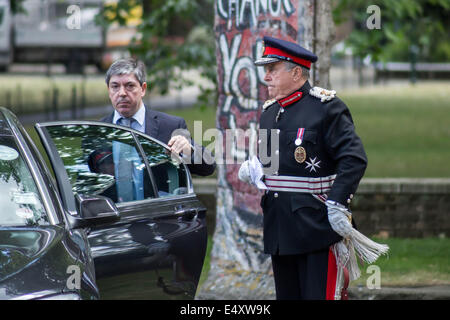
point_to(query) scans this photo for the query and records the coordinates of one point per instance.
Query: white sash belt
(300, 184)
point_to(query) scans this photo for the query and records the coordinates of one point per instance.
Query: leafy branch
(405, 24)
(174, 36)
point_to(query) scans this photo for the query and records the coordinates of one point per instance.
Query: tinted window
(102, 160)
(168, 172)
(20, 202)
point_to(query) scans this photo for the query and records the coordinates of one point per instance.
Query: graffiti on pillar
(247, 13)
(240, 26)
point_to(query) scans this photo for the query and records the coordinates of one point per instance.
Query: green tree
(174, 36)
(405, 24)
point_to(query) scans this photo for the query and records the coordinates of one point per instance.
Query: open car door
(156, 249)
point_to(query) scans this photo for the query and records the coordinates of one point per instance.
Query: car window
(168, 172)
(20, 201)
(102, 160)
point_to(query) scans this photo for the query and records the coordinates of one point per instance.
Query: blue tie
(129, 172)
(126, 122)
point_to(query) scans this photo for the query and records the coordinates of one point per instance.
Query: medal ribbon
(299, 139)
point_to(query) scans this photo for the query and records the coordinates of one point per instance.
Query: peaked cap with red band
(278, 50)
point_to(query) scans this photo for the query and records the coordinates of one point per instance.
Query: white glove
(339, 218)
(244, 172)
(251, 172)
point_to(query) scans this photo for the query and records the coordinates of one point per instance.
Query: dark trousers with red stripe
(310, 276)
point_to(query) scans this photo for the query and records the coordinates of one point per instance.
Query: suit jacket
(296, 223)
(160, 125)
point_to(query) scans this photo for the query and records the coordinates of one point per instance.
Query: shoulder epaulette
(322, 94)
(268, 103)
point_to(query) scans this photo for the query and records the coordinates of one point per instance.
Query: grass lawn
(412, 262)
(206, 115)
(405, 129)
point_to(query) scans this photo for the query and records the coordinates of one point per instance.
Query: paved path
(439, 292)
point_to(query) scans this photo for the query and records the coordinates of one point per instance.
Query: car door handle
(186, 213)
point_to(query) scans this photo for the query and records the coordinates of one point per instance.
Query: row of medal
(300, 152)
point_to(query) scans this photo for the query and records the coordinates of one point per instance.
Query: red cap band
(278, 52)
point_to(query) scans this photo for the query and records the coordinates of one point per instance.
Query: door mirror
(93, 211)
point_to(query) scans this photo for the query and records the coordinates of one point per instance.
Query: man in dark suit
(319, 156)
(126, 81)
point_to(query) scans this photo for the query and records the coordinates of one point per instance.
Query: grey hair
(291, 65)
(127, 66)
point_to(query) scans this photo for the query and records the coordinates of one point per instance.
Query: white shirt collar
(139, 116)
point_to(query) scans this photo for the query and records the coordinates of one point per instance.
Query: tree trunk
(323, 42)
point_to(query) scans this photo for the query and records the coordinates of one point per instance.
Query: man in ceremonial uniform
(321, 161)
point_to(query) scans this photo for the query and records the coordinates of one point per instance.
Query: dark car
(67, 229)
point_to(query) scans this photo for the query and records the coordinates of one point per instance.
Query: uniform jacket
(160, 126)
(296, 223)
